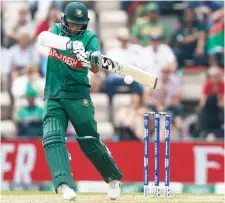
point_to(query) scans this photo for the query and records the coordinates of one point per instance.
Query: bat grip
(68, 46)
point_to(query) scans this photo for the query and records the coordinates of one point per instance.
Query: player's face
(124, 42)
(153, 15)
(188, 15)
(155, 43)
(30, 101)
(53, 14)
(165, 72)
(74, 27)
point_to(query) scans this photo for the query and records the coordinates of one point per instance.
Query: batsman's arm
(52, 40)
(96, 60)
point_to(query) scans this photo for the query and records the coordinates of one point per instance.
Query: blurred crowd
(197, 39)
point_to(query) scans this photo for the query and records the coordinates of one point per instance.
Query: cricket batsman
(67, 97)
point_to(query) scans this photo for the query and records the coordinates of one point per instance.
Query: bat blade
(138, 75)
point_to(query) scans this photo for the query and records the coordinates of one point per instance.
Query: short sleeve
(169, 55)
(93, 45)
(206, 88)
(221, 88)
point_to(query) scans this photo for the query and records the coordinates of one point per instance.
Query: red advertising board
(200, 163)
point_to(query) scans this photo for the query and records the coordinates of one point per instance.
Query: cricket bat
(62, 43)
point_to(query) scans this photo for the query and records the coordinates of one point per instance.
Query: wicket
(157, 153)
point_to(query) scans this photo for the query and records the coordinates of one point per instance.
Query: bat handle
(69, 46)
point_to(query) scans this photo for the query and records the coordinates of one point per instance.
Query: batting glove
(95, 59)
(77, 48)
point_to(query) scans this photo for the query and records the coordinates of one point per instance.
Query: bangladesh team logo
(78, 13)
(85, 102)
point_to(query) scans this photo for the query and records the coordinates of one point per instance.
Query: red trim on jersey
(68, 60)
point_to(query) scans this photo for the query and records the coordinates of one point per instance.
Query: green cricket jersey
(66, 77)
(30, 113)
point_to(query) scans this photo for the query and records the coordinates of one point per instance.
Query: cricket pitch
(50, 197)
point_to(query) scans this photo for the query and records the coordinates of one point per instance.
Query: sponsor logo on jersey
(68, 60)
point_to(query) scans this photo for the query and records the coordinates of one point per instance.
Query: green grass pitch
(50, 197)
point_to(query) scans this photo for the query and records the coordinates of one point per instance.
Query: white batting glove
(78, 50)
(75, 47)
(90, 59)
(83, 58)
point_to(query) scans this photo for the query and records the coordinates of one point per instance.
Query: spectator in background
(5, 68)
(130, 119)
(189, 40)
(31, 75)
(157, 55)
(206, 11)
(167, 97)
(215, 43)
(211, 117)
(33, 6)
(29, 118)
(218, 14)
(22, 21)
(143, 30)
(5, 54)
(3, 37)
(136, 11)
(52, 18)
(127, 54)
(23, 53)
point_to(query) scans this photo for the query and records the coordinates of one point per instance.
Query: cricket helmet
(75, 13)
